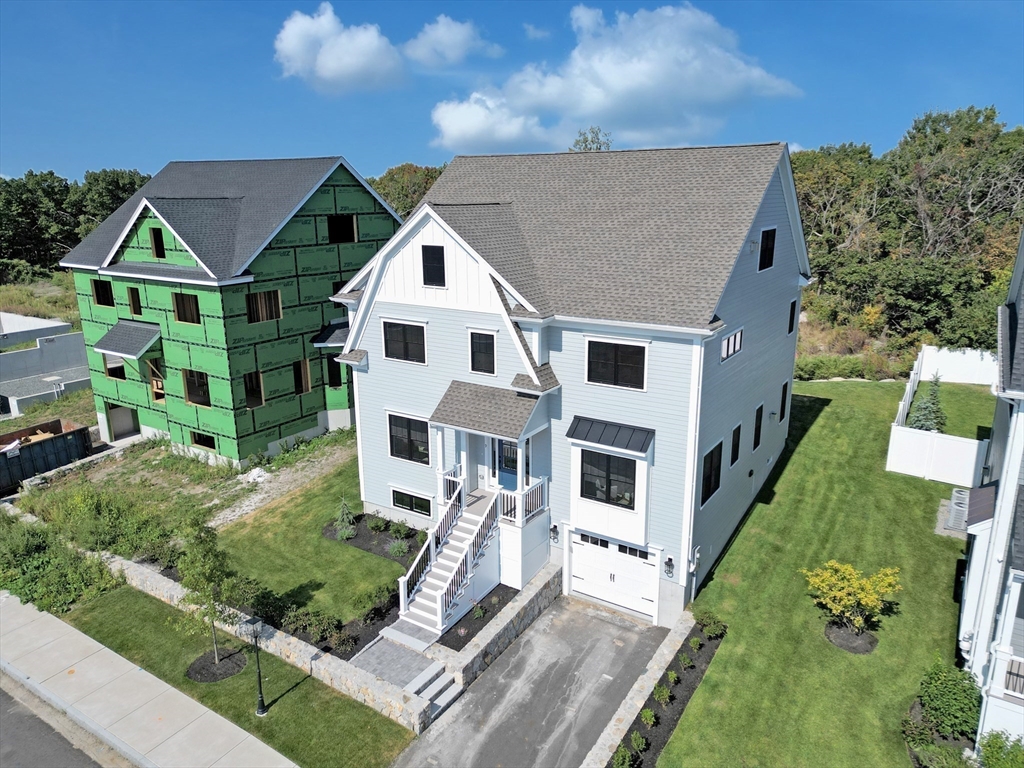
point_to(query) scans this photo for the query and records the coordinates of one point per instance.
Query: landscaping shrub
(623, 758)
(647, 717)
(848, 596)
(916, 734)
(714, 630)
(709, 623)
(695, 643)
(39, 567)
(398, 548)
(345, 531)
(662, 695)
(927, 414)
(341, 641)
(829, 367)
(638, 742)
(998, 750)
(479, 612)
(317, 624)
(951, 700)
(400, 530)
(421, 538)
(376, 603)
(345, 515)
(377, 524)
(685, 661)
(253, 596)
(933, 756)
(673, 677)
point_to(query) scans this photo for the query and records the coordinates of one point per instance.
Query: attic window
(156, 242)
(767, 257)
(341, 228)
(433, 265)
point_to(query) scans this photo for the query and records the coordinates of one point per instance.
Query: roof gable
(645, 236)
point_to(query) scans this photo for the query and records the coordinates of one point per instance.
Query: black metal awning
(622, 436)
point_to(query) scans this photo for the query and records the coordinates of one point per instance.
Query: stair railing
(463, 571)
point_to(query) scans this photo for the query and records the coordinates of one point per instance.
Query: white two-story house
(992, 608)
(579, 358)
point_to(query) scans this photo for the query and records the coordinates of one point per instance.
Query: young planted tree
(849, 597)
(204, 571)
(928, 415)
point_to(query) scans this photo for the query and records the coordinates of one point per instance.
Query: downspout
(689, 512)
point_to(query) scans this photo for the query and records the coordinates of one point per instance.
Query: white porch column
(520, 483)
(463, 441)
(439, 434)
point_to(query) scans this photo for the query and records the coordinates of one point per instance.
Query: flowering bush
(848, 596)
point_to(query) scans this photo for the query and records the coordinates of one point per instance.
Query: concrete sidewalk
(139, 715)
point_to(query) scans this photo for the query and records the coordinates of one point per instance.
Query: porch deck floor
(478, 501)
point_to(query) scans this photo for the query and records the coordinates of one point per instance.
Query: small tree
(848, 596)
(950, 700)
(928, 415)
(204, 571)
(998, 750)
(592, 140)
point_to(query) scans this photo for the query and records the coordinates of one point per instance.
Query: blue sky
(88, 85)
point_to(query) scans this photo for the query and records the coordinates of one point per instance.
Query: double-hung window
(711, 479)
(405, 342)
(618, 365)
(433, 266)
(732, 344)
(767, 256)
(608, 479)
(481, 352)
(410, 439)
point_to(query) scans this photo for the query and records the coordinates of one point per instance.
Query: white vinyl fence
(934, 456)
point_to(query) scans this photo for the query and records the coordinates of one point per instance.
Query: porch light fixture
(256, 625)
(670, 567)
(554, 533)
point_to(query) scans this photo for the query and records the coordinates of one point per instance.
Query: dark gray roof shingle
(646, 236)
(491, 410)
(613, 435)
(128, 338)
(223, 209)
(548, 380)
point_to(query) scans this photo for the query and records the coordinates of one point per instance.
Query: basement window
(103, 292)
(300, 371)
(202, 440)
(417, 504)
(253, 389)
(134, 301)
(186, 308)
(197, 387)
(261, 307)
(114, 366)
(341, 228)
(156, 242)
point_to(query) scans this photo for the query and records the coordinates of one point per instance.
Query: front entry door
(507, 456)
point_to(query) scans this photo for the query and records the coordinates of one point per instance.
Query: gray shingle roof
(128, 338)
(43, 382)
(158, 271)
(491, 410)
(332, 336)
(613, 435)
(547, 377)
(646, 236)
(223, 209)
(356, 356)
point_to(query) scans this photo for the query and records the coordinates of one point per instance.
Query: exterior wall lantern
(554, 533)
(670, 567)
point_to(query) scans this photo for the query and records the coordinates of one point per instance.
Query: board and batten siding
(757, 302)
(663, 407)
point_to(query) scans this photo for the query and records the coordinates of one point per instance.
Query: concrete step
(445, 700)
(420, 620)
(425, 679)
(413, 636)
(436, 687)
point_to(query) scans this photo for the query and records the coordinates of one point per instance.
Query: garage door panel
(608, 575)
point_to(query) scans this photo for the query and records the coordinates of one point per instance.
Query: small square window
(115, 367)
(405, 342)
(186, 308)
(341, 228)
(156, 242)
(197, 387)
(263, 306)
(433, 265)
(201, 440)
(410, 439)
(618, 365)
(103, 293)
(134, 301)
(767, 256)
(481, 350)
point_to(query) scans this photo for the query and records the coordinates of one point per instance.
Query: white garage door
(614, 573)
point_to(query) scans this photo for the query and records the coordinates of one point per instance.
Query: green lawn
(969, 408)
(777, 693)
(283, 547)
(308, 722)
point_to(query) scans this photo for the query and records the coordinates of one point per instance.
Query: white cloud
(445, 42)
(794, 147)
(536, 33)
(654, 77)
(333, 57)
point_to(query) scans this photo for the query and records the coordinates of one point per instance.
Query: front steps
(437, 686)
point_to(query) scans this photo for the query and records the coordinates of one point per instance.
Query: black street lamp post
(255, 625)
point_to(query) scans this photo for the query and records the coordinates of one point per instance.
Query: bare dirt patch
(206, 670)
(845, 638)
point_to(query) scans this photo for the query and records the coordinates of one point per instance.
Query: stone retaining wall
(501, 631)
(403, 707)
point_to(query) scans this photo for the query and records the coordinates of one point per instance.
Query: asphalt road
(28, 742)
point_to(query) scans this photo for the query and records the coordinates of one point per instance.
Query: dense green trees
(916, 244)
(43, 216)
(403, 186)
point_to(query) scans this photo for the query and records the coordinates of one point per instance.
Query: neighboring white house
(992, 612)
(581, 358)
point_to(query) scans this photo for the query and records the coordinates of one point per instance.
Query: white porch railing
(407, 585)
(457, 581)
(451, 514)
(519, 506)
(450, 483)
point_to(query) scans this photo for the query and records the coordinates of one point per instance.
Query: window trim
(737, 333)
(134, 300)
(720, 447)
(416, 495)
(758, 428)
(430, 449)
(643, 343)
(199, 309)
(194, 444)
(793, 317)
(113, 301)
(631, 507)
(494, 350)
(444, 266)
(384, 340)
(760, 240)
(738, 444)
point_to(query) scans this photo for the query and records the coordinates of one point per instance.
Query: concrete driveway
(546, 700)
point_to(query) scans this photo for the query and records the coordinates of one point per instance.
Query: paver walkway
(138, 714)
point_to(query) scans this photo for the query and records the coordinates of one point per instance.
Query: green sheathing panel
(136, 245)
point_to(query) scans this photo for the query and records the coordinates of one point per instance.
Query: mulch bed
(843, 637)
(917, 715)
(206, 670)
(668, 717)
(375, 543)
(469, 627)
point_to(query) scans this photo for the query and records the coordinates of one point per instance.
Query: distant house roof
(224, 210)
(128, 338)
(491, 410)
(648, 236)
